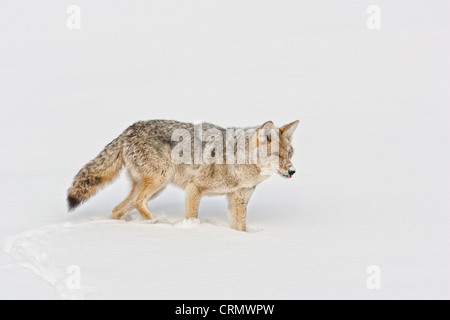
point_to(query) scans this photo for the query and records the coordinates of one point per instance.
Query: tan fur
(237, 206)
(193, 197)
(145, 150)
(126, 205)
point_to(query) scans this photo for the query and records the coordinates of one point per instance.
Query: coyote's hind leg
(127, 205)
(150, 186)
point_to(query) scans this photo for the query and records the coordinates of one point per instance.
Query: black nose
(291, 172)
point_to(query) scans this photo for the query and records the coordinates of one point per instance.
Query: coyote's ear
(289, 129)
(267, 126)
(264, 131)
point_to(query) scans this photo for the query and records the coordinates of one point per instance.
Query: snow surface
(372, 148)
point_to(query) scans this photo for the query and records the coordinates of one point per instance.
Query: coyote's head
(275, 148)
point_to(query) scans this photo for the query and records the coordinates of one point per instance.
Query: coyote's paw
(152, 221)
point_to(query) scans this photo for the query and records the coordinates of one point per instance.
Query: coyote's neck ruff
(203, 159)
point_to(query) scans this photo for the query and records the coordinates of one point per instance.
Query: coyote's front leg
(237, 205)
(193, 197)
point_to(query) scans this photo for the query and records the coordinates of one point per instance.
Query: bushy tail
(96, 174)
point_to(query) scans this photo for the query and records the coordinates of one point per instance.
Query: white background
(372, 147)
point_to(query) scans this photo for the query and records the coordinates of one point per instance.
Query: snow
(372, 147)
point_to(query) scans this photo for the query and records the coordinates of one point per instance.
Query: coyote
(150, 151)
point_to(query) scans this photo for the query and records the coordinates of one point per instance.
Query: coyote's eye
(276, 154)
